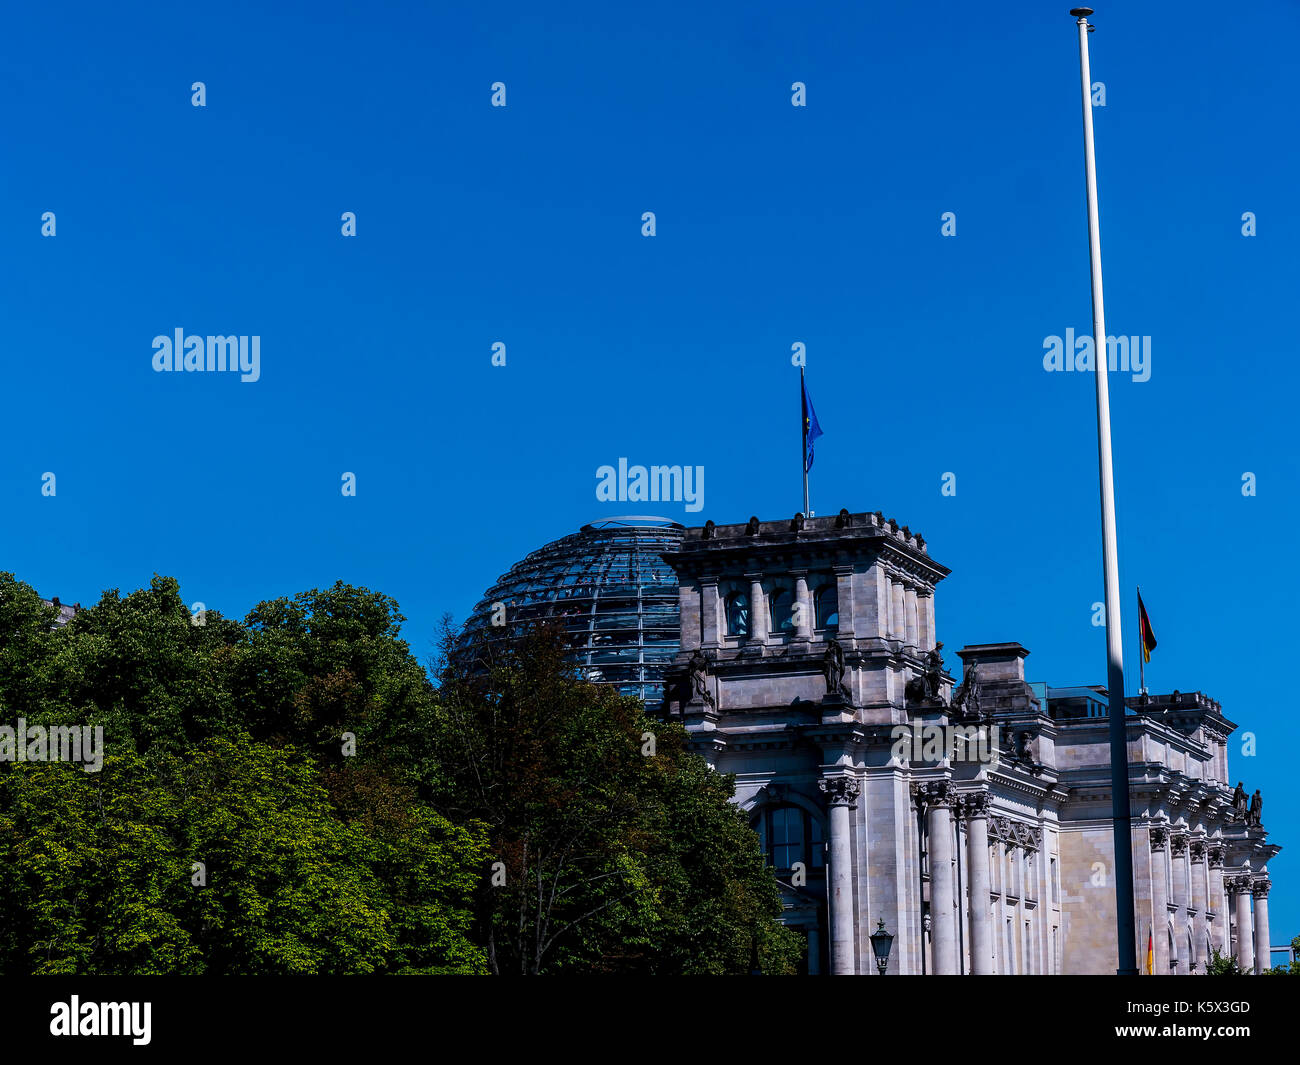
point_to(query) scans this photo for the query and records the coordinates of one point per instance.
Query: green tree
(224, 748)
(609, 858)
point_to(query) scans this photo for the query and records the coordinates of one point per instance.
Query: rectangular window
(1056, 884)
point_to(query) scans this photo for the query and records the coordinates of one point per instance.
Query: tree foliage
(291, 793)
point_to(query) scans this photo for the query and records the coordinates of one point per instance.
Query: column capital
(840, 791)
(1178, 843)
(1216, 852)
(1197, 849)
(975, 804)
(1159, 837)
(1237, 885)
(1259, 888)
(934, 793)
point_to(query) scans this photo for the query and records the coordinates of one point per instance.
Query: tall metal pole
(803, 425)
(1120, 812)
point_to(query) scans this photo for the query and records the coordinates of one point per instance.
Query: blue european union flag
(811, 430)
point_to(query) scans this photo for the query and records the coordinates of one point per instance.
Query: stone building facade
(973, 820)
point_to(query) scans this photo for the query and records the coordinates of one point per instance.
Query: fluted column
(911, 628)
(841, 795)
(1263, 957)
(1196, 853)
(1239, 887)
(757, 610)
(803, 607)
(938, 797)
(976, 810)
(1178, 859)
(1219, 926)
(1159, 930)
(897, 626)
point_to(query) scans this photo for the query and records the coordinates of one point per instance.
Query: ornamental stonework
(934, 793)
(840, 791)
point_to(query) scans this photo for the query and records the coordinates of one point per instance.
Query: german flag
(1144, 625)
(1151, 952)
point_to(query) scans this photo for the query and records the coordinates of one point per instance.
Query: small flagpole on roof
(803, 428)
(1142, 648)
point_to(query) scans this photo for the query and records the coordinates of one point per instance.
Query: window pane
(738, 614)
(827, 607)
(780, 610)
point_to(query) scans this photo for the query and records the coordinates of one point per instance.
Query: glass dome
(613, 594)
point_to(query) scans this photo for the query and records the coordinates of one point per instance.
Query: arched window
(737, 614)
(780, 611)
(790, 834)
(826, 607)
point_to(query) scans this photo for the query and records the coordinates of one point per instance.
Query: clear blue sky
(775, 224)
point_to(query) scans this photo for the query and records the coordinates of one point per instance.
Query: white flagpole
(1121, 813)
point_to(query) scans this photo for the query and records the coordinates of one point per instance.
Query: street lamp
(882, 942)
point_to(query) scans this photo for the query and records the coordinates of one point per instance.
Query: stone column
(897, 626)
(1159, 901)
(925, 619)
(1240, 887)
(709, 609)
(841, 795)
(1219, 926)
(1178, 856)
(804, 607)
(939, 797)
(1196, 852)
(1263, 957)
(976, 810)
(757, 609)
(911, 633)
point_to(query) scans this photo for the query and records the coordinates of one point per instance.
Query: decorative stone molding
(934, 793)
(1159, 837)
(1016, 833)
(840, 791)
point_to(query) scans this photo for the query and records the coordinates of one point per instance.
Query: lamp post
(881, 942)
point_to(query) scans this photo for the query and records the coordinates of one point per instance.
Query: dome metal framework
(613, 595)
